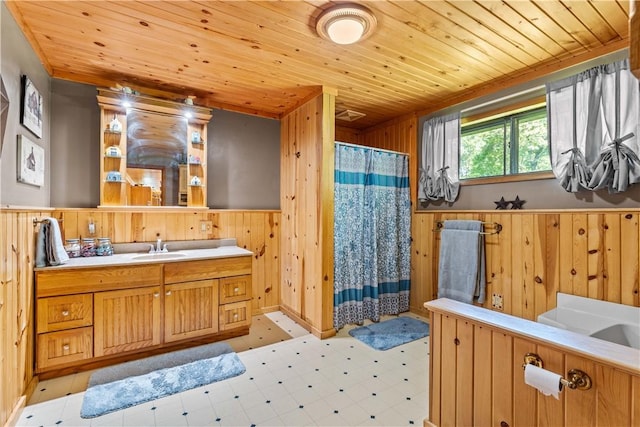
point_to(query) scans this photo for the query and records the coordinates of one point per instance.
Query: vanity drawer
(66, 312)
(84, 280)
(189, 271)
(235, 315)
(234, 289)
(59, 348)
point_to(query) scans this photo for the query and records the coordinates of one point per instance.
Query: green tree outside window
(505, 146)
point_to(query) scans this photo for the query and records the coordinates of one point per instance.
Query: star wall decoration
(502, 203)
(517, 203)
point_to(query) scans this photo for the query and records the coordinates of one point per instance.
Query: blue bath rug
(391, 333)
(131, 389)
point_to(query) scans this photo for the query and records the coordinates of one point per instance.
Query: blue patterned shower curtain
(372, 226)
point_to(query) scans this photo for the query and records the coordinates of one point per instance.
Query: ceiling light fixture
(346, 23)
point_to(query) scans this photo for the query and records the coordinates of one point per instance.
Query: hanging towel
(461, 268)
(49, 247)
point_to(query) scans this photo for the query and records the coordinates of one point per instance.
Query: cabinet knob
(168, 293)
(65, 312)
(236, 290)
(66, 347)
(156, 294)
(235, 316)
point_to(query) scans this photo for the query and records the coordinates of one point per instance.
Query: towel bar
(37, 221)
(497, 226)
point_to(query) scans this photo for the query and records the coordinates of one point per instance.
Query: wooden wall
(593, 254)
(17, 249)
(476, 378)
(306, 194)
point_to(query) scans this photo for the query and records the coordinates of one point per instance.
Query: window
(509, 145)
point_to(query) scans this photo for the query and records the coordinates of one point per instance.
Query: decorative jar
(72, 247)
(88, 247)
(104, 247)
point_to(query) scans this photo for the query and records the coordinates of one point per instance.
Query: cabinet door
(126, 320)
(190, 309)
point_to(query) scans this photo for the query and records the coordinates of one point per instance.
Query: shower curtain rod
(372, 148)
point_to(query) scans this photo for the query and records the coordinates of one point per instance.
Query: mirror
(156, 147)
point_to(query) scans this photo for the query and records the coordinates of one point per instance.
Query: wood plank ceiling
(265, 58)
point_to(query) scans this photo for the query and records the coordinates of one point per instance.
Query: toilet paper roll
(546, 382)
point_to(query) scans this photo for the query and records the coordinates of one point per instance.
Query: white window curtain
(593, 128)
(439, 160)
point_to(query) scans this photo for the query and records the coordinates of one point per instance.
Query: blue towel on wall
(461, 267)
(49, 247)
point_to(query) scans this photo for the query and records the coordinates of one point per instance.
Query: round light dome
(346, 23)
(345, 31)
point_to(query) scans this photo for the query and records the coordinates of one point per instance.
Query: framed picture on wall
(30, 162)
(4, 112)
(31, 104)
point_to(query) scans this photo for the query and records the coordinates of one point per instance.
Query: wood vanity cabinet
(87, 315)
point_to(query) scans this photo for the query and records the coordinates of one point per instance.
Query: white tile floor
(303, 381)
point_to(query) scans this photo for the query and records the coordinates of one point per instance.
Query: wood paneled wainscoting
(476, 374)
(17, 250)
(594, 254)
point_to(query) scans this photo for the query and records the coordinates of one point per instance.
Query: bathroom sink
(159, 256)
(604, 320)
(628, 335)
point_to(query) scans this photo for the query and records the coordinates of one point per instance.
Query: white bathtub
(617, 323)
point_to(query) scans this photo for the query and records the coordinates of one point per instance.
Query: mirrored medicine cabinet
(153, 151)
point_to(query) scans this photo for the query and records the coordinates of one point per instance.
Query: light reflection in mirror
(156, 146)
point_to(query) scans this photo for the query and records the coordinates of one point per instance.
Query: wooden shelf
(112, 138)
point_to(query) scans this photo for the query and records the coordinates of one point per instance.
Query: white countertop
(145, 258)
(625, 358)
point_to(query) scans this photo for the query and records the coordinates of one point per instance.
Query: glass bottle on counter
(72, 247)
(88, 247)
(104, 247)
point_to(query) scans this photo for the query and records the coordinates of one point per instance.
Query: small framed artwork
(30, 162)
(31, 104)
(4, 111)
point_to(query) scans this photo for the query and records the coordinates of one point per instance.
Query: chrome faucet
(159, 247)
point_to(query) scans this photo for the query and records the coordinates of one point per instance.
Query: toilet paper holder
(576, 379)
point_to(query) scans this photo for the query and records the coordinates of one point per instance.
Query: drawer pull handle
(66, 347)
(236, 290)
(168, 293)
(156, 294)
(235, 316)
(65, 312)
